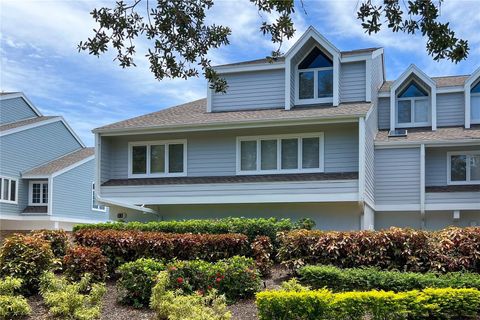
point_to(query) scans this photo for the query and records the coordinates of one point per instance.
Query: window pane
(404, 111)
(413, 90)
(36, 193)
(175, 158)
(289, 153)
(475, 107)
(310, 153)
(421, 110)
(458, 168)
(325, 83)
(316, 59)
(139, 159)
(157, 159)
(248, 155)
(475, 168)
(13, 189)
(268, 154)
(45, 193)
(306, 84)
(5, 189)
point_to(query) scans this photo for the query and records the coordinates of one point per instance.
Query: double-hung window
(38, 193)
(8, 190)
(157, 158)
(475, 103)
(314, 78)
(291, 153)
(413, 107)
(463, 167)
(95, 205)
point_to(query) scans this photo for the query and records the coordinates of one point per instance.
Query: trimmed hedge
(338, 279)
(375, 305)
(124, 246)
(58, 240)
(81, 260)
(452, 249)
(247, 226)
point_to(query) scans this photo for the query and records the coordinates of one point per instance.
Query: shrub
(71, 300)
(262, 251)
(236, 277)
(81, 260)
(124, 246)
(252, 227)
(375, 305)
(304, 223)
(12, 306)
(58, 240)
(402, 249)
(176, 306)
(136, 281)
(25, 257)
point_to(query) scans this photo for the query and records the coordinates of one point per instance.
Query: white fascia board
(250, 67)
(313, 33)
(121, 203)
(397, 207)
(467, 87)
(436, 143)
(73, 166)
(24, 97)
(30, 126)
(361, 159)
(49, 218)
(452, 206)
(413, 69)
(74, 134)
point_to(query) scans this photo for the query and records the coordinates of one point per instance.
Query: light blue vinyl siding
(452, 197)
(72, 194)
(451, 109)
(384, 113)
(214, 153)
(370, 132)
(252, 90)
(397, 176)
(436, 164)
(22, 202)
(352, 82)
(30, 148)
(16, 109)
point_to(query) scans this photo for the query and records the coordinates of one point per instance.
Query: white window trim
(148, 144)
(412, 122)
(449, 167)
(9, 186)
(30, 193)
(97, 208)
(300, 136)
(315, 99)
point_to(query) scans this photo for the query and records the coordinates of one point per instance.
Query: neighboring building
(46, 172)
(316, 134)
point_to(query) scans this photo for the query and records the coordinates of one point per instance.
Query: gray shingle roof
(25, 122)
(427, 135)
(448, 81)
(60, 163)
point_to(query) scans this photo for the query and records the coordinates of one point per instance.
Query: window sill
(99, 210)
(313, 101)
(463, 183)
(264, 172)
(8, 202)
(134, 176)
(413, 125)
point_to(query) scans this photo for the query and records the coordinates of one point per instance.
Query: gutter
(125, 205)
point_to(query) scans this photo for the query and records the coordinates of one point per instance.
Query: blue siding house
(317, 133)
(46, 172)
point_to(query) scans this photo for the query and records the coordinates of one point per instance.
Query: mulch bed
(111, 310)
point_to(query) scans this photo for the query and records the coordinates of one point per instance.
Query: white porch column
(368, 218)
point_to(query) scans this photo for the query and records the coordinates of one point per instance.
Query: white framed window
(413, 107)
(475, 103)
(157, 159)
(38, 193)
(274, 154)
(95, 205)
(8, 190)
(314, 78)
(463, 167)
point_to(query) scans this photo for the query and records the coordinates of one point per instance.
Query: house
(46, 172)
(317, 133)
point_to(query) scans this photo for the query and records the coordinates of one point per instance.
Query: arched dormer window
(314, 78)
(475, 103)
(413, 106)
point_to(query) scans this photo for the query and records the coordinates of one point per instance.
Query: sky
(39, 56)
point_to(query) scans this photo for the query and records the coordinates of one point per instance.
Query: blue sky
(38, 55)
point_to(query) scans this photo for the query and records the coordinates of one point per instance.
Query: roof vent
(397, 133)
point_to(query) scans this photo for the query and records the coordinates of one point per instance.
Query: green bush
(73, 301)
(58, 240)
(82, 260)
(177, 306)
(136, 281)
(25, 257)
(338, 279)
(12, 306)
(428, 304)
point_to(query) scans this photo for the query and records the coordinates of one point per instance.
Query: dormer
(413, 100)
(312, 71)
(472, 99)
